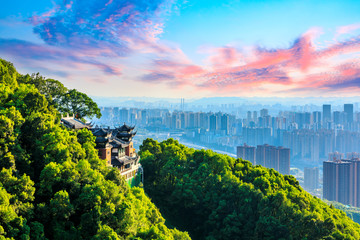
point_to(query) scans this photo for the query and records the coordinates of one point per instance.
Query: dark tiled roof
(123, 160)
(125, 128)
(74, 123)
(101, 140)
(115, 142)
(100, 132)
(126, 135)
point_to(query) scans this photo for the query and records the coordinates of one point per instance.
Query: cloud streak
(303, 66)
(104, 35)
(102, 24)
(93, 34)
(61, 57)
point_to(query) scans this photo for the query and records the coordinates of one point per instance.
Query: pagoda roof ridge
(125, 127)
(101, 132)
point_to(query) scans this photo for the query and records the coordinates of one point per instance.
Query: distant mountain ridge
(115, 101)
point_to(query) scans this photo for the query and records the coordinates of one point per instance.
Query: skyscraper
(354, 181)
(338, 179)
(225, 123)
(248, 117)
(349, 110)
(342, 180)
(260, 154)
(337, 117)
(316, 117)
(333, 156)
(277, 158)
(264, 112)
(311, 178)
(326, 113)
(255, 116)
(124, 115)
(284, 160)
(212, 120)
(247, 153)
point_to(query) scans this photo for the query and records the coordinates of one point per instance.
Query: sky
(190, 49)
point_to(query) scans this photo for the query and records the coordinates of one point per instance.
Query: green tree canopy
(214, 196)
(53, 185)
(79, 104)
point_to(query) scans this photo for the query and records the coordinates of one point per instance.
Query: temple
(73, 123)
(115, 146)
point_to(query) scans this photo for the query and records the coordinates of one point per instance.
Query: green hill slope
(52, 183)
(351, 212)
(214, 196)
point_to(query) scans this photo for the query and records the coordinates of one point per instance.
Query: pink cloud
(61, 57)
(347, 29)
(225, 57)
(303, 67)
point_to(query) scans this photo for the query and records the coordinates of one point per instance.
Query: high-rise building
(354, 181)
(255, 116)
(264, 112)
(143, 117)
(349, 110)
(260, 154)
(204, 120)
(182, 120)
(213, 124)
(191, 120)
(284, 160)
(248, 117)
(337, 181)
(225, 123)
(326, 113)
(246, 152)
(277, 158)
(333, 156)
(218, 120)
(316, 117)
(311, 178)
(337, 117)
(352, 155)
(124, 115)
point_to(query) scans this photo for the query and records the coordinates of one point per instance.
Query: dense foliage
(52, 183)
(214, 196)
(64, 100)
(351, 212)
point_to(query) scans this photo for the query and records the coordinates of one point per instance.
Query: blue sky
(198, 48)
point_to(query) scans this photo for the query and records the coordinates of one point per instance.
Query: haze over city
(191, 49)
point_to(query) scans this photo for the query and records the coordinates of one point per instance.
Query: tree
(79, 104)
(52, 89)
(214, 196)
(8, 73)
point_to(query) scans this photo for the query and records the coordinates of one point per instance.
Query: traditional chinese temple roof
(123, 160)
(101, 132)
(72, 122)
(115, 142)
(125, 136)
(125, 128)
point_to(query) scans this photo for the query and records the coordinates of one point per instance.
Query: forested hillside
(52, 183)
(351, 212)
(214, 196)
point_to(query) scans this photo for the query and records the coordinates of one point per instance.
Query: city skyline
(182, 49)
